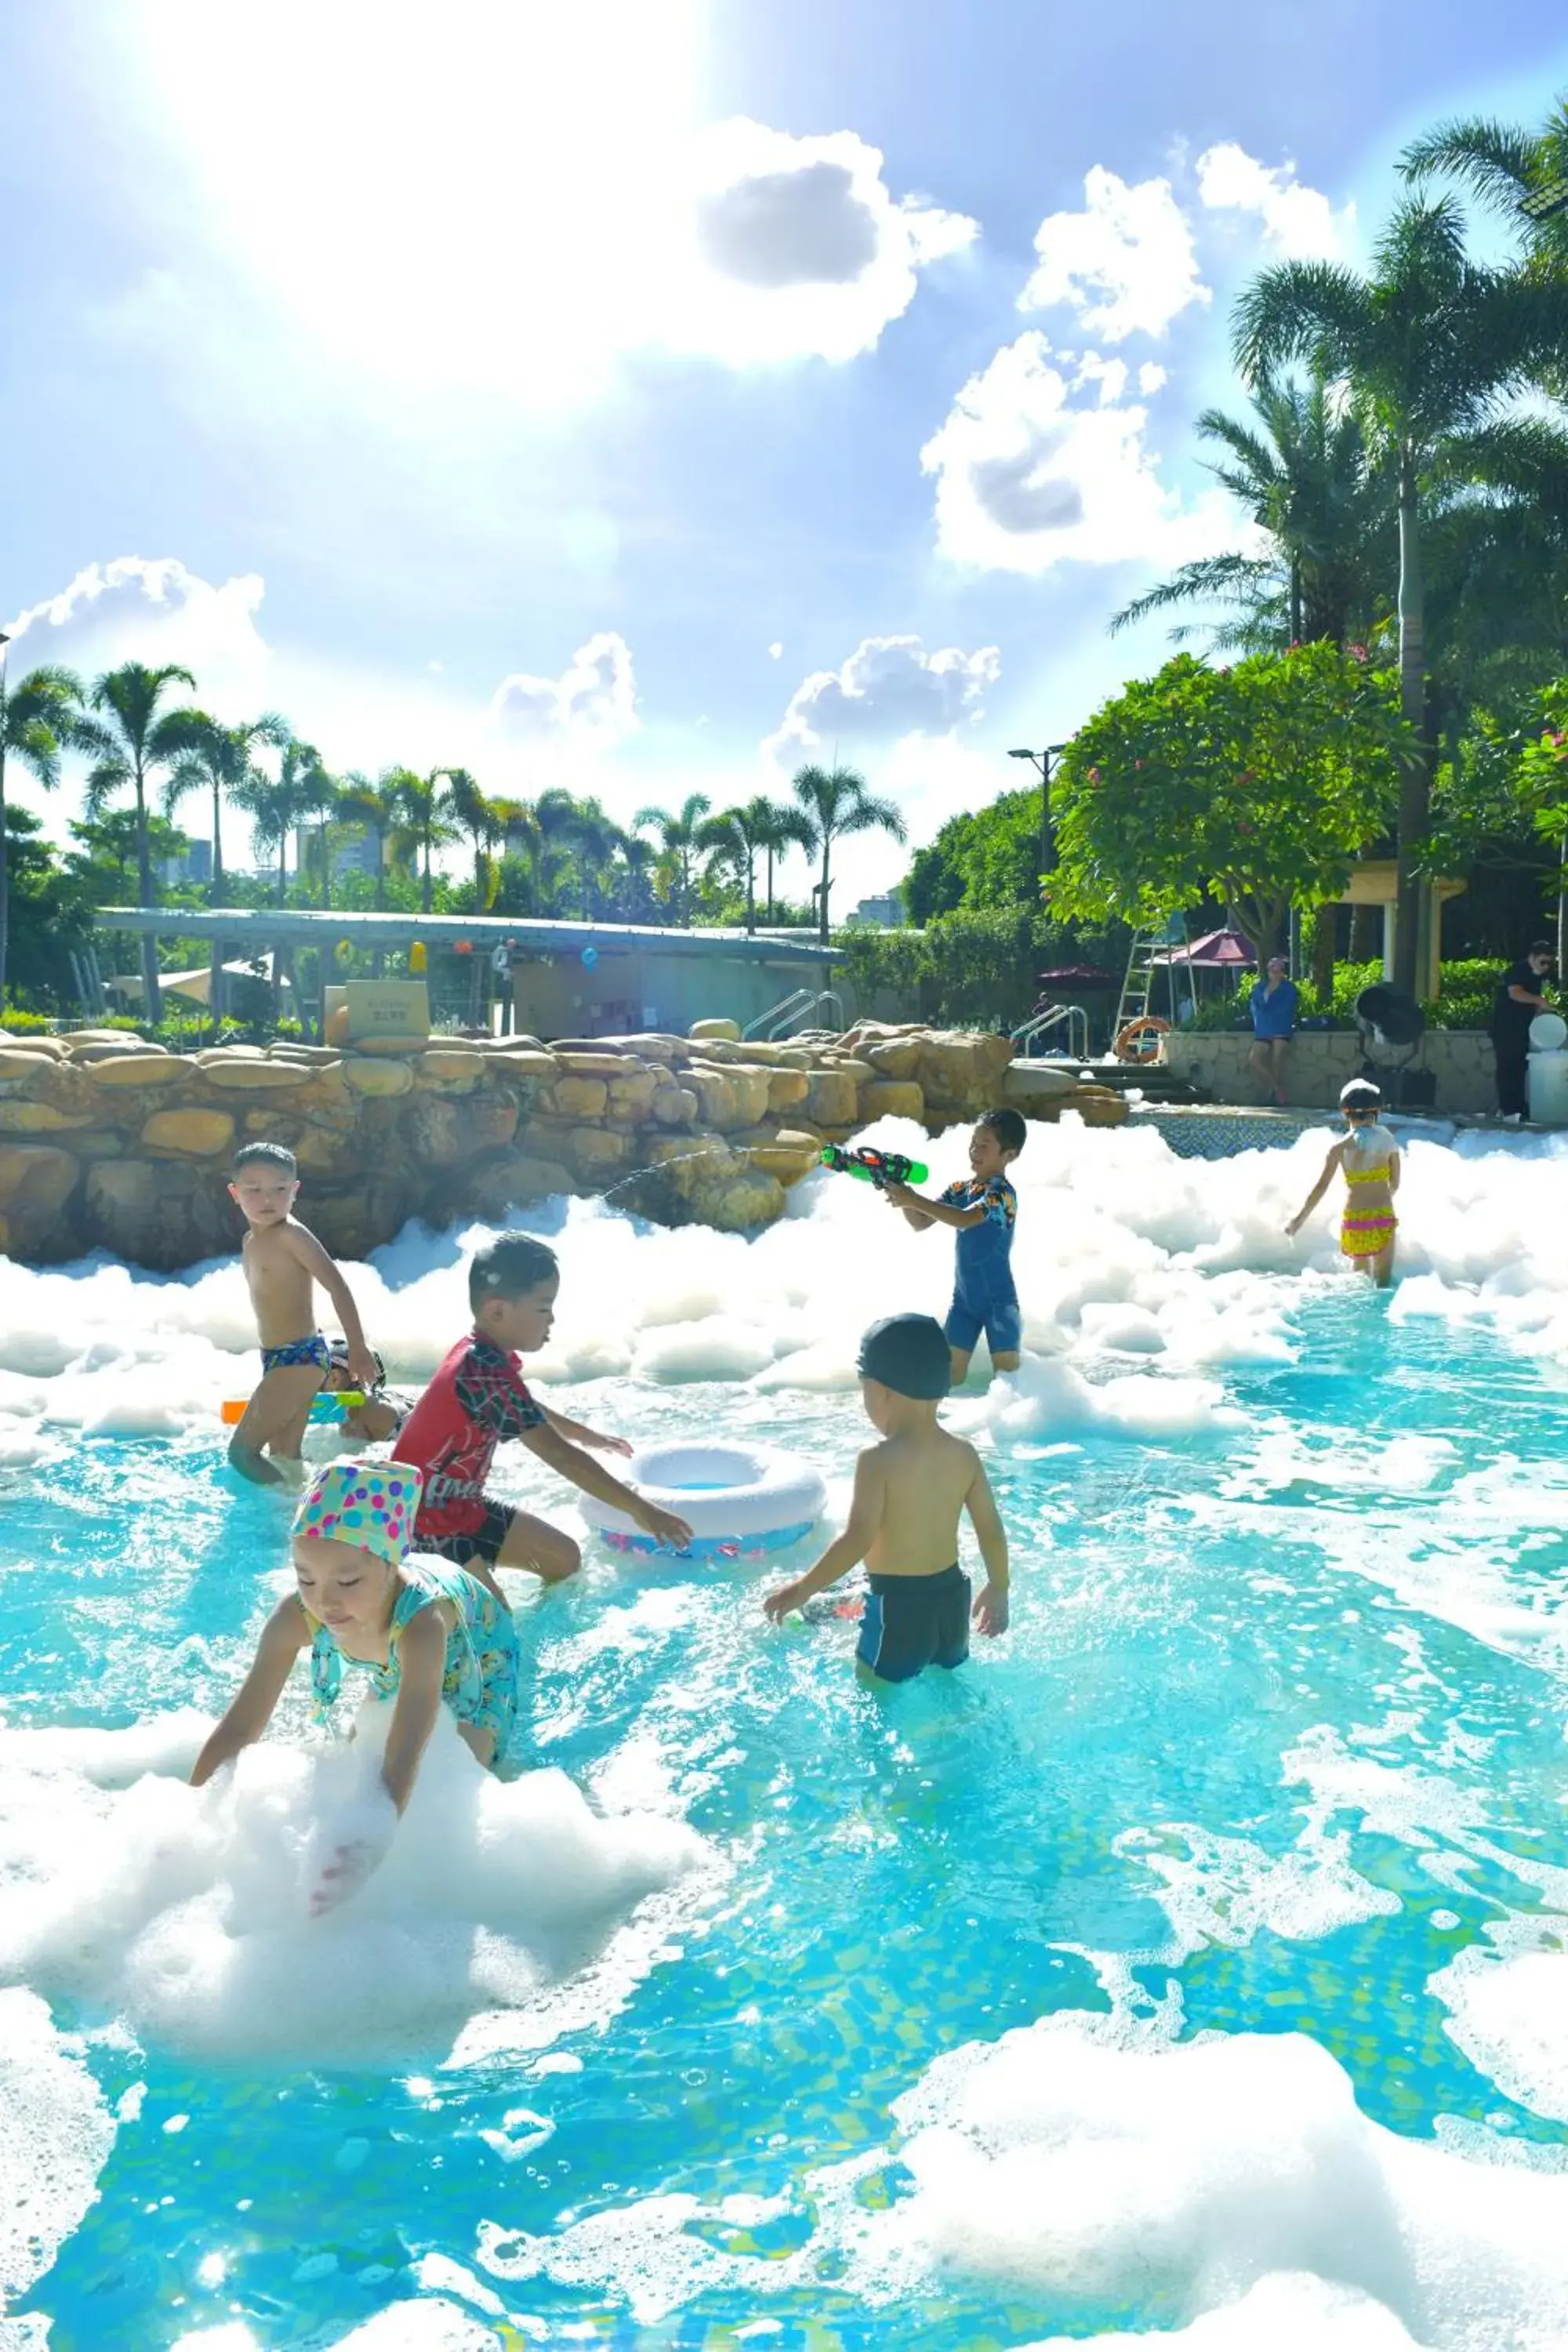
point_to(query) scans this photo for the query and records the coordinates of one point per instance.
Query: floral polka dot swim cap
(372, 1504)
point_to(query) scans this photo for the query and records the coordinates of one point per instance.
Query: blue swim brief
(1001, 1319)
(313, 1351)
(913, 1621)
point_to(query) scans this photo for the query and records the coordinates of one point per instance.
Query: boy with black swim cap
(909, 1492)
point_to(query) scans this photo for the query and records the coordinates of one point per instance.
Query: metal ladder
(1138, 983)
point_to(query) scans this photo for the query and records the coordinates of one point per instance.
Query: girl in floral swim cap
(430, 1634)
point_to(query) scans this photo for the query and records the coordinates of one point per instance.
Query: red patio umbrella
(1216, 951)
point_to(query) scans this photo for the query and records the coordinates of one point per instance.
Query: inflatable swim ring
(740, 1500)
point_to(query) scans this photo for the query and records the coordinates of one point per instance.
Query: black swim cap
(908, 1354)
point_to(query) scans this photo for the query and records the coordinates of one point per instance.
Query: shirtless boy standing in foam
(910, 1493)
(283, 1263)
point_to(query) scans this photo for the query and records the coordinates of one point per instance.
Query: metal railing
(1027, 1037)
(793, 1012)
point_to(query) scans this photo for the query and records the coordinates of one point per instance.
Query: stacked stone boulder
(107, 1143)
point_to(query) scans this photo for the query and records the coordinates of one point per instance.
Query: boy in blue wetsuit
(982, 1209)
(910, 1493)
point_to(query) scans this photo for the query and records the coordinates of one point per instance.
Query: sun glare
(476, 193)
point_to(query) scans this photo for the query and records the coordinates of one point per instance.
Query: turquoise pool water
(1249, 1834)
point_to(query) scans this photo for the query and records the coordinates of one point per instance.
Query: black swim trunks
(465, 1546)
(913, 1621)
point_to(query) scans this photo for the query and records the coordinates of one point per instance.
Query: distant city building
(886, 912)
(194, 864)
(353, 853)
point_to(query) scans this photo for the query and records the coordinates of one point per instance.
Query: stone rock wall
(1321, 1061)
(109, 1143)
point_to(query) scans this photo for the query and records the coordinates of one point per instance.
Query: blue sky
(644, 395)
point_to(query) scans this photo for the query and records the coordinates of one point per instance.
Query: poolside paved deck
(1215, 1131)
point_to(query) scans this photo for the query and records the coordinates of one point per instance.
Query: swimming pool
(1194, 1961)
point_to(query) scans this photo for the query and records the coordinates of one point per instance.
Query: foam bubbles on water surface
(56, 2133)
(1225, 2192)
(1122, 1250)
(184, 1910)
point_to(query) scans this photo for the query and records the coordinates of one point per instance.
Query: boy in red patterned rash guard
(478, 1399)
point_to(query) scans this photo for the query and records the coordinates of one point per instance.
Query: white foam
(1225, 2193)
(1122, 1250)
(56, 2133)
(1509, 2014)
(1291, 2311)
(184, 1910)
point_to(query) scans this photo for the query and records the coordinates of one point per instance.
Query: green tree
(760, 827)
(835, 802)
(472, 814)
(39, 718)
(1429, 345)
(216, 759)
(1255, 786)
(374, 808)
(423, 827)
(51, 914)
(680, 836)
(1304, 473)
(983, 858)
(130, 737)
(1523, 174)
(278, 805)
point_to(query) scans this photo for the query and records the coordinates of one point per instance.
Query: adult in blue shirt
(1273, 1009)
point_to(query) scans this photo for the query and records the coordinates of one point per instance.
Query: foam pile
(184, 1910)
(1226, 2192)
(1127, 1257)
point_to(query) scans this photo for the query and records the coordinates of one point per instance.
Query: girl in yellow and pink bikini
(1369, 1160)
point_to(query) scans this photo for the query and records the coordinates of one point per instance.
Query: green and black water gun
(873, 1167)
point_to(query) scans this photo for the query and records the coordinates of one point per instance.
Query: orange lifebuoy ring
(1139, 1040)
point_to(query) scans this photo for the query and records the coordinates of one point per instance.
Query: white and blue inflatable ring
(738, 1500)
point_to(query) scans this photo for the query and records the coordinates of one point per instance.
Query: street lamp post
(1044, 763)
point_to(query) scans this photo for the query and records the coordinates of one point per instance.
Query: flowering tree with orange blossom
(1256, 785)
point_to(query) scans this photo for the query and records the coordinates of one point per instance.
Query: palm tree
(216, 759)
(835, 802)
(131, 737)
(679, 836)
(1430, 346)
(781, 829)
(637, 856)
(375, 807)
(481, 820)
(1305, 476)
(423, 827)
(39, 718)
(278, 805)
(760, 828)
(323, 800)
(1521, 173)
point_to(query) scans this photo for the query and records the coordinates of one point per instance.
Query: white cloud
(1151, 377)
(154, 611)
(888, 688)
(1027, 478)
(1298, 222)
(1126, 264)
(775, 651)
(592, 706)
(798, 247)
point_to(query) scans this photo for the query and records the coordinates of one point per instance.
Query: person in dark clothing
(1517, 1000)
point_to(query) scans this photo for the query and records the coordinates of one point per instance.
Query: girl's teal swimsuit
(480, 1684)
